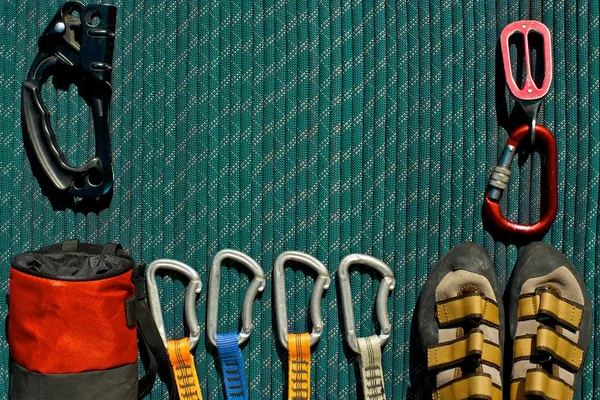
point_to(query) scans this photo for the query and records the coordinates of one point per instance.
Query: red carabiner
(500, 178)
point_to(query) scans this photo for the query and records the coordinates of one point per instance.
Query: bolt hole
(73, 10)
(95, 177)
(92, 18)
(78, 183)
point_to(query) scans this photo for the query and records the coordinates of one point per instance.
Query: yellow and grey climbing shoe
(460, 318)
(548, 314)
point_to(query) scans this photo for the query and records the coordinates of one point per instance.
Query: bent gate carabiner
(368, 348)
(257, 285)
(179, 351)
(500, 178)
(321, 284)
(194, 287)
(298, 345)
(76, 47)
(386, 286)
(228, 344)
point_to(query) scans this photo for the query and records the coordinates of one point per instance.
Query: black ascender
(75, 48)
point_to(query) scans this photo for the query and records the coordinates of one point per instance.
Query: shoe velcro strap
(470, 387)
(540, 383)
(549, 341)
(523, 347)
(457, 351)
(462, 308)
(564, 311)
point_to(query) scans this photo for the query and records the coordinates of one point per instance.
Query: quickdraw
(298, 345)
(369, 348)
(228, 344)
(76, 47)
(179, 351)
(530, 97)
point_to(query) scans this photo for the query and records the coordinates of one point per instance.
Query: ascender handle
(76, 47)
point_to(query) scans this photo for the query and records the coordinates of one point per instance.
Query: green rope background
(322, 126)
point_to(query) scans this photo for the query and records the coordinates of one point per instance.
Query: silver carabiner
(194, 287)
(387, 284)
(321, 284)
(212, 303)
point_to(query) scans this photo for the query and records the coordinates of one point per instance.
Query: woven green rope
(322, 126)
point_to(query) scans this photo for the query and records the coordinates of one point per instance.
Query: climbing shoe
(548, 313)
(459, 322)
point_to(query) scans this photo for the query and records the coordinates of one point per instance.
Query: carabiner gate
(193, 288)
(500, 178)
(76, 47)
(256, 285)
(321, 284)
(387, 285)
